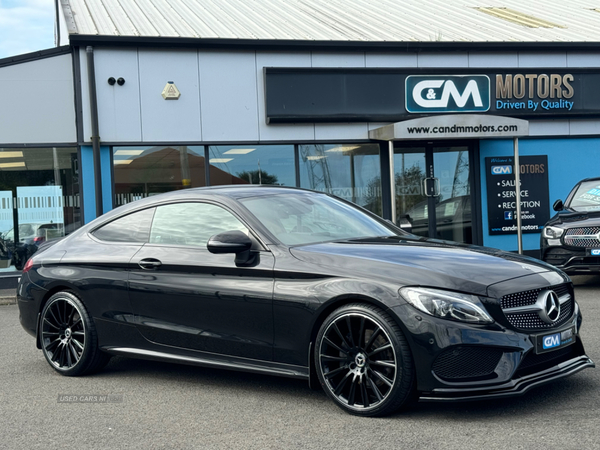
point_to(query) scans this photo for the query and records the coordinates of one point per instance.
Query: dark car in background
(571, 239)
(290, 282)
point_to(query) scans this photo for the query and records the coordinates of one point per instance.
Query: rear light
(28, 265)
(38, 240)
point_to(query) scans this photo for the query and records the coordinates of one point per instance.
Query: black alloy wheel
(363, 361)
(68, 336)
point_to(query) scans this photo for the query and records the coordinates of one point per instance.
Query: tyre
(363, 361)
(68, 336)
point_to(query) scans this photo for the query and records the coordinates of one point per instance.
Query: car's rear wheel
(363, 361)
(68, 336)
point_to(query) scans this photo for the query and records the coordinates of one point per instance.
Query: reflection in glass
(350, 171)
(453, 205)
(140, 172)
(191, 224)
(411, 203)
(252, 164)
(39, 200)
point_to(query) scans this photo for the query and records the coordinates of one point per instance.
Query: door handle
(149, 263)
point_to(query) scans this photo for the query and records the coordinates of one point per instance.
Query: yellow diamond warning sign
(170, 92)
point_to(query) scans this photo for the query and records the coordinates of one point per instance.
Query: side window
(130, 228)
(191, 224)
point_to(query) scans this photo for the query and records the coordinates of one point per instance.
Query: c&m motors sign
(295, 95)
(450, 93)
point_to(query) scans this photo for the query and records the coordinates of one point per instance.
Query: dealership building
(412, 110)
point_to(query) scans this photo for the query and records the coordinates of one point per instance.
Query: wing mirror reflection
(558, 205)
(233, 242)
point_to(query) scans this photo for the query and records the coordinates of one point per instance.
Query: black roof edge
(34, 56)
(303, 45)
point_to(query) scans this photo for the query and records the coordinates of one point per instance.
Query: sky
(26, 26)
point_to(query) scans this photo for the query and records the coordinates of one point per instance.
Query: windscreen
(298, 218)
(587, 197)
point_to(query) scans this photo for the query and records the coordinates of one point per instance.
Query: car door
(184, 296)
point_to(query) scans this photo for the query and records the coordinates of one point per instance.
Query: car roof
(233, 192)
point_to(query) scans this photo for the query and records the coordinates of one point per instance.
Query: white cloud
(26, 26)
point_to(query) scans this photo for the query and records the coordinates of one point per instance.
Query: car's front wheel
(363, 361)
(68, 336)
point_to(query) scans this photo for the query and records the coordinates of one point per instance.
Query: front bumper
(571, 260)
(455, 361)
(515, 387)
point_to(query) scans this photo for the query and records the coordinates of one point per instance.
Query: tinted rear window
(134, 227)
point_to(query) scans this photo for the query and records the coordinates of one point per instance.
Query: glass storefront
(39, 200)
(252, 164)
(350, 171)
(433, 191)
(140, 172)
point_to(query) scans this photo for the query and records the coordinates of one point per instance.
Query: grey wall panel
(575, 59)
(527, 59)
(169, 120)
(325, 59)
(549, 127)
(390, 60)
(118, 106)
(443, 60)
(375, 125)
(486, 60)
(38, 102)
(85, 97)
(584, 127)
(341, 131)
(280, 131)
(229, 99)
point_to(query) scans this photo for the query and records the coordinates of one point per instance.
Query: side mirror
(558, 205)
(232, 242)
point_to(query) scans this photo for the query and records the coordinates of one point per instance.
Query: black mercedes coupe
(290, 282)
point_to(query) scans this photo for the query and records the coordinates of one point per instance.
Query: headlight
(552, 232)
(447, 305)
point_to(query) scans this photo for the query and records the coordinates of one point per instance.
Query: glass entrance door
(433, 190)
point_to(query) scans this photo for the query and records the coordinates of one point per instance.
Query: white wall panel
(542, 60)
(229, 99)
(38, 103)
(485, 60)
(443, 60)
(169, 120)
(575, 59)
(118, 106)
(280, 132)
(584, 127)
(549, 127)
(390, 60)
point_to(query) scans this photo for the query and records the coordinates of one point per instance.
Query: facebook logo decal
(508, 215)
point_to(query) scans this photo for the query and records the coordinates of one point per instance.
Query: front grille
(574, 237)
(531, 320)
(463, 363)
(527, 298)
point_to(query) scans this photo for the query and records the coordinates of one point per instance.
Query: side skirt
(231, 364)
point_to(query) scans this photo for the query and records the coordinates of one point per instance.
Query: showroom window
(252, 164)
(350, 171)
(140, 172)
(39, 200)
